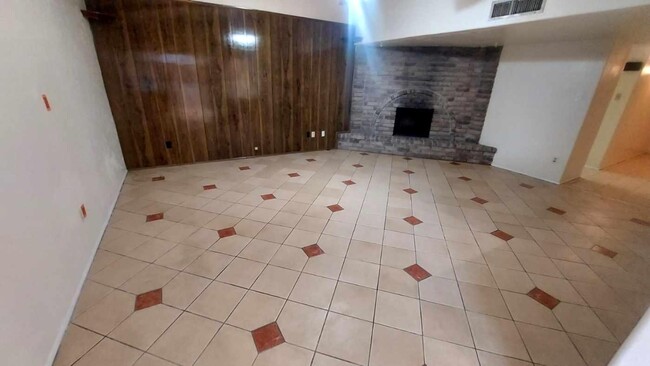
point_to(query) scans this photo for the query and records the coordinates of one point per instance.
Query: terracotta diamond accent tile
(148, 299)
(267, 337)
(407, 171)
(157, 179)
(293, 175)
(267, 197)
(224, 233)
(408, 159)
(465, 179)
(556, 210)
(502, 235)
(313, 250)
(364, 154)
(410, 191)
(244, 168)
(335, 208)
(418, 273)
(357, 166)
(604, 251)
(348, 182)
(528, 186)
(155, 217)
(413, 220)
(311, 160)
(543, 298)
(454, 163)
(209, 187)
(640, 222)
(480, 200)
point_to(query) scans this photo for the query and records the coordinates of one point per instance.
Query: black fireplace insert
(412, 122)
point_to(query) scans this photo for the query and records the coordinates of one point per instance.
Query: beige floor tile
(241, 272)
(425, 244)
(502, 259)
(108, 313)
(183, 289)
(437, 264)
(549, 347)
(110, 353)
(618, 323)
(334, 245)
(151, 250)
(474, 273)
(285, 355)
(354, 301)
(255, 310)
(76, 342)
(143, 327)
(102, 260)
(150, 360)
(289, 257)
(274, 233)
(118, 272)
(301, 238)
(311, 224)
(323, 360)
(595, 352)
(262, 214)
(202, 238)
(180, 257)
(124, 243)
(465, 252)
(561, 252)
(217, 301)
(398, 312)
(177, 232)
(339, 229)
(209, 264)
(301, 324)
(184, 341)
(484, 300)
(448, 354)
(368, 234)
(276, 281)
(360, 273)
(399, 240)
(445, 323)
(346, 338)
(560, 288)
(490, 359)
(582, 320)
(91, 294)
(394, 347)
(524, 309)
(324, 265)
(397, 281)
(286, 219)
(497, 335)
(231, 245)
(259, 250)
(525, 246)
(515, 281)
(538, 265)
(231, 346)
(441, 291)
(313, 290)
(398, 258)
(151, 278)
(599, 296)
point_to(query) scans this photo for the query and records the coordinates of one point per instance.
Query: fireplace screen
(413, 122)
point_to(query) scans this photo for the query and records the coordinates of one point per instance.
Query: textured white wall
(540, 98)
(51, 163)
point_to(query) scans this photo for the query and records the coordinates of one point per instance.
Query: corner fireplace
(413, 122)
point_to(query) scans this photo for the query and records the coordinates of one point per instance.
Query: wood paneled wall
(190, 82)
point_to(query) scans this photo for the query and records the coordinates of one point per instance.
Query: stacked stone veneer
(456, 82)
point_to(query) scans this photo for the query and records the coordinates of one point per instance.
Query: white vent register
(508, 8)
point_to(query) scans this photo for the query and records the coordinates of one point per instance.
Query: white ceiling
(633, 23)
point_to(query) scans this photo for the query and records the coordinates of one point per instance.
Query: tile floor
(340, 258)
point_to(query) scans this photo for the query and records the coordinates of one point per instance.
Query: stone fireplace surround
(456, 82)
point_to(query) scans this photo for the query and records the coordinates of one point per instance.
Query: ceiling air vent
(506, 8)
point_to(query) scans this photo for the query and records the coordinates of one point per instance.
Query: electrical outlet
(313, 134)
(168, 144)
(322, 133)
(555, 160)
(84, 213)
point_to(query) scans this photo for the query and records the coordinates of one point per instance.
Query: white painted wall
(331, 10)
(539, 101)
(410, 18)
(612, 117)
(634, 350)
(50, 163)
